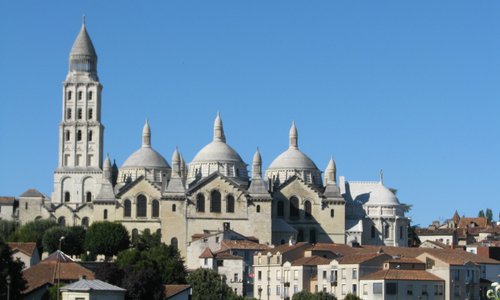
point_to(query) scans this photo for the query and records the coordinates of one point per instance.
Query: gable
(140, 186)
(218, 182)
(297, 187)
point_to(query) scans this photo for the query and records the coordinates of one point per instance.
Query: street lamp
(59, 266)
(7, 279)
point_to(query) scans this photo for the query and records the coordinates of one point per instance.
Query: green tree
(72, 243)
(489, 215)
(303, 295)
(481, 214)
(110, 273)
(146, 240)
(207, 285)
(351, 297)
(11, 268)
(33, 232)
(7, 228)
(324, 296)
(106, 238)
(144, 283)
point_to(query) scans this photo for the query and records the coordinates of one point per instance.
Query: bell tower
(79, 172)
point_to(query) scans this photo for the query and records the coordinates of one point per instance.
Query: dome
(217, 151)
(145, 157)
(293, 159)
(382, 196)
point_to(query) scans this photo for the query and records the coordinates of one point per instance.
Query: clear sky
(410, 87)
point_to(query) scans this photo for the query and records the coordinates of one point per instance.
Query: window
(300, 235)
(155, 208)
(67, 197)
(342, 273)
(294, 207)
(401, 233)
(278, 274)
(429, 263)
(174, 243)
(373, 231)
(409, 289)
(61, 221)
(127, 208)
(205, 261)
(365, 289)
(281, 209)
(85, 223)
(235, 277)
(278, 290)
(424, 290)
(90, 94)
(295, 274)
(141, 206)
(355, 289)
(91, 114)
(391, 288)
(79, 135)
(88, 197)
(68, 114)
(90, 135)
(312, 236)
(456, 290)
(230, 204)
(174, 208)
(332, 213)
(257, 209)
(215, 199)
(387, 231)
(456, 275)
(377, 288)
(69, 95)
(259, 275)
(307, 209)
(26, 205)
(324, 275)
(68, 135)
(295, 289)
(80, 94)
(200, 203)
(135, 234)
(344, 290)
(79, 114)
(105, 214)
(354, 274)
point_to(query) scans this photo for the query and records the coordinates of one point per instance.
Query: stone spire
(257, 165)
(331, 172)
(83, 57)
(106, 193)
(183, 167)
(294, 136)
(107, 169)
(219, 130)
(175, 186)
(146, 135)
(176, 164)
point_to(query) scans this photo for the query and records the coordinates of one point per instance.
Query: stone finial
(331, 172)
(146, 135)
(294, 136)
(381, 180)
(107, 168)
(219, 129)
(176, 163)
(257, 165)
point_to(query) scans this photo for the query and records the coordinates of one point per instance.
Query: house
(25, 252)
(178, 292)
(92, 289)
(8, 206)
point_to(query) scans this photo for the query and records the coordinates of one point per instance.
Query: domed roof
(382, 196)
(146, 156)
(293, 158)
(83, 44)
(217, 150)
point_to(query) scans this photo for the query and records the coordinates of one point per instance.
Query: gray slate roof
(88, 285)
(83, 45)
(32, 193)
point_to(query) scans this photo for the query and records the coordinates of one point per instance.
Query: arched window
(69, 95)
(141, 206)
(373, 232)
(401, 232)
(88, 197)
(80, 113)
(215, 199)
(300, 235)
(332, 213)
(80, 94)
(312, 236)
(105, 214)
(68, 135)
(68, 113)
(200, 203)
(281, 209)
(127, 208)
(155, 209)
(387, 231)
(61, 221)
(294, 207)
(85, 222)
(174, 207)
(79, 135)
(90, 135)
(230, 204)
(174, 243)
(307, 209)
(67, 197)
(91, 114)
(257, 209)
(26, 205)
(90, 95)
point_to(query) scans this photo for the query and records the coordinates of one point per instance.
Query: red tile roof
(396, 274)
(26, 248)
(7, 200)
(479, 221)
(207, 253)
(285, 247)
(174, 289)
(242, 244)
(311, 261)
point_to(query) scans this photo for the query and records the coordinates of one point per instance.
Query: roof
(87, 285)
(32, 193)
(479, 222)
(7, 200)
(46, 271)
(174, 289)
(226, 255)
(398, 274)
(26, 248)
(145, 157)
(279, 225)
(207, 253)
(437, 231)
(459, 257)
(292, 159)
(381, 195)
(359, 258)
(311, 261)
(242, 244)
(83, 45)
(286, 248)
(338, 249)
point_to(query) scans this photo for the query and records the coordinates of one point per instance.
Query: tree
(351, 297)
(11, 268)
(7, 228)
(33, 232)
(489, 215)
(146, 240)
(303, 295)
(481, 214)
(324, 296)
(72, 243)
(207, 285)
(144, 283)
(106, 238)
(110, 273)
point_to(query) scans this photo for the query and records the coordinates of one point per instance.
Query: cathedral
(214, 192)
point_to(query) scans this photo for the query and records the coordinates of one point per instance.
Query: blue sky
(410, 87)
